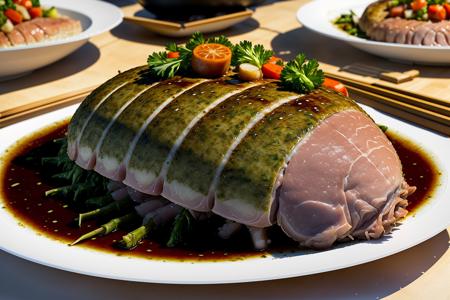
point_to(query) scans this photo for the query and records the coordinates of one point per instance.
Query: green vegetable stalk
(111, 209)
(109, 227)
(133, 238)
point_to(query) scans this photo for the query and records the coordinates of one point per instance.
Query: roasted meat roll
(315, 164)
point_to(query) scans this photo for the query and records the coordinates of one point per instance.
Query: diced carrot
(397, 11)
(418, 4)
(35, 12)
(272, 70)
(14, 16)
(335, 85)
(173, 54)
(437, 12)
(211, 60)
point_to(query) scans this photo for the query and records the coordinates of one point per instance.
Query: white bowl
(95, 16)
(319, 15)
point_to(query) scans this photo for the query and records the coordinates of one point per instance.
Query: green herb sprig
(302, 75)
(246, 52)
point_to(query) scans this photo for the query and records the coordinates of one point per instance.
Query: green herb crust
(213, 135)
(88, 105)
(159, 137)
(121, 134)
(112, 105)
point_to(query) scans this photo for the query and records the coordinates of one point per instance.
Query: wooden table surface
(421, 272)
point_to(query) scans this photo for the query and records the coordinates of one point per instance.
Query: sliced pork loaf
(251, 152)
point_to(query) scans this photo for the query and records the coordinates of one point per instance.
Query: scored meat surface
(41, 29)
(376, 24)
(250, 152)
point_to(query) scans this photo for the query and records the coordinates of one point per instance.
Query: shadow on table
(371, 280)
(138, 34)
(81, 59)
(338, 53)
(121, 3)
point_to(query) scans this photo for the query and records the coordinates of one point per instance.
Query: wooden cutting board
(273, 25)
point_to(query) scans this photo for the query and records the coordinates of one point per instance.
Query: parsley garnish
(301, 75)
(164, 67)
(256, 55)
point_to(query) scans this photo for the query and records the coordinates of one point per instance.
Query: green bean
(109, 227)
(111, 209)
(133, 238)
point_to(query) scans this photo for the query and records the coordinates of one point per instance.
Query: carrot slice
(335, 85)
(14, 16)
(211, 60)
(272, 70)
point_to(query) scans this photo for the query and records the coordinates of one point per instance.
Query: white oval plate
(95, 16)
(428, 221)
(319, 15)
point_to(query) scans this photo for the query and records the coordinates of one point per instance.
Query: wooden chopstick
(402, 110)
(206, 21)
(435, 105)
(45, 105)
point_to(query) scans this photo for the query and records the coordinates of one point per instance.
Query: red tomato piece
(13, 15)
(418, 4)
(447, 9)
(272, 70)
(437, 13)
(173, 54)
(397, 11)
(35, 12)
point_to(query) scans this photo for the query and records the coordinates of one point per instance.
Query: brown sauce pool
(23, 188)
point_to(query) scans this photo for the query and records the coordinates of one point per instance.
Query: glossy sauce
(23, 189)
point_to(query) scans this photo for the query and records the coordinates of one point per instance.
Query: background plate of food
(34, 34)
(419, 36)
